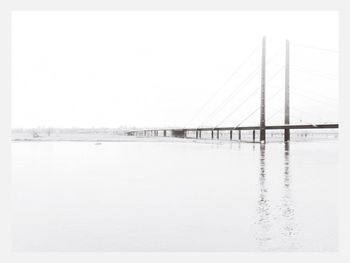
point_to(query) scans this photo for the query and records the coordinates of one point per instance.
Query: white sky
(105, 69)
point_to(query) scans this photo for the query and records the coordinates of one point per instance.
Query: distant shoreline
(170, 140)
(115, 135)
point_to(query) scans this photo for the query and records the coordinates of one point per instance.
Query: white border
(6, 6)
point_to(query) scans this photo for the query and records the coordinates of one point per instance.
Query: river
(174, 196)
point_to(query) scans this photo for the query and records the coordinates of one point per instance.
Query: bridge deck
(269, 127)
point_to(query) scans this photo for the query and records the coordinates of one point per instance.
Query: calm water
(160, 196)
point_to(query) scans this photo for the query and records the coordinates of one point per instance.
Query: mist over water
(173, 196)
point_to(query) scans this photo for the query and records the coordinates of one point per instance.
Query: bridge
(261, 128)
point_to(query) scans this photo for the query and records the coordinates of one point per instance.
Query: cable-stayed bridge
(260, 127)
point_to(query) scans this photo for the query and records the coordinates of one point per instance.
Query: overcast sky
(156, 69)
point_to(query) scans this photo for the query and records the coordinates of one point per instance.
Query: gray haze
(106, 69)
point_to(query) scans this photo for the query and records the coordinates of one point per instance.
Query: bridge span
(182, 133)
(286, 126)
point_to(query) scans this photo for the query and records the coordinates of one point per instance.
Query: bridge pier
(253, 135)
(217, 134)
(200, 134)
(212, 134)
(239, 135)
(178, 133)
(230, 135)
(164, 133)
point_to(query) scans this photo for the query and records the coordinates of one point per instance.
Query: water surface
(173, 196)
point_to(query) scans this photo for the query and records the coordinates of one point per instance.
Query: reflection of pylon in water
(289, 232)
(264, 220)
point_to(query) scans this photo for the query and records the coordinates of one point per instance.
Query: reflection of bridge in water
(286, 237)
(286, 127)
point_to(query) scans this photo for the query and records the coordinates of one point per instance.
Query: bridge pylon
(286, 95)
(262, 96)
